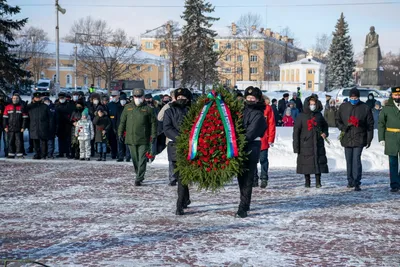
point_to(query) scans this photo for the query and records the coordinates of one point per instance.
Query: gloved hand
(368, 145)
(271, 144)
(382, 143)
(121, 139)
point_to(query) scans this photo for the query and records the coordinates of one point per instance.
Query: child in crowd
(288, 120)
(103, 125)
(84, 132)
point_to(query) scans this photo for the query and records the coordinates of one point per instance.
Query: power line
(217, 6)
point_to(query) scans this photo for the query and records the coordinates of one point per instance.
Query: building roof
(305, 61)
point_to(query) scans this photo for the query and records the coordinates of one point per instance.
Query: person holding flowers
(254, 125)
(309, 135)
(354, 119)
(173, 118)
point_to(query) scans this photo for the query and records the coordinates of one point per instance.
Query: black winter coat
(75, 117)
(308, 144)
(282, 105)
(354, 136)
(254, 122)
(173, 119)
(298, 103)
(39, 121)
(53, 122)
(371, 102)
(64, 112)
(278, 118)
(101, 124)
(114, 110)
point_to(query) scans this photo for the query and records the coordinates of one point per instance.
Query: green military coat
(390, 118)
(139, 123)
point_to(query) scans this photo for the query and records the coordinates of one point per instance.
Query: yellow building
(253, 56)
(151, 69)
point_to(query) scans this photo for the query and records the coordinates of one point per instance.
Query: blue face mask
(354, 101)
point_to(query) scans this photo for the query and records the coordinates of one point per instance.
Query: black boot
(264, 183)
(255, 182)
(104, 156)
(101, 156)
(186, 204)
(179, 211)
(318, 181)
(308, 181)
(241, 213)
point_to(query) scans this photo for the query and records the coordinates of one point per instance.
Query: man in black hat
(389, 136)
(354, 119)
(148, 99)
(283, 104)
(63, 114)
(255, 126)
(297, 101)
(39, 123)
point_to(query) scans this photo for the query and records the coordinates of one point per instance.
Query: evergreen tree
(10, 65)
(341, 57)
(198, 64)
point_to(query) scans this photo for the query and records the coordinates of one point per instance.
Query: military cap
(138, 92)
(37, 94)
(396, 90)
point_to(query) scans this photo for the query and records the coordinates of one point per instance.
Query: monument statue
(372, 75)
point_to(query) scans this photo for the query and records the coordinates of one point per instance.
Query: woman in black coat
(309, 132)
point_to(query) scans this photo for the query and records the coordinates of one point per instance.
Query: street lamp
(62, 11)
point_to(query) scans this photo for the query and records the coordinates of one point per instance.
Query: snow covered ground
(68, 213)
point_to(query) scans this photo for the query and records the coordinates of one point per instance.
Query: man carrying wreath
(356, 123)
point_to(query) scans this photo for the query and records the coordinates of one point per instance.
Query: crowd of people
(137, 128)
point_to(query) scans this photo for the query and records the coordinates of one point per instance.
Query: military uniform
(389, 136)
(139, 122)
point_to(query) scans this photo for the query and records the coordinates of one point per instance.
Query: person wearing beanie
(389, 135)
(375, 113)
(255, 127)
(102, 124)
(84, 132)
(138, 121)
(173, 119)
(63, 114)
(283, 104)
(330, 113)
(356, 123)
(287, 120)
(278, 118)
(309, 132)
(294, 111)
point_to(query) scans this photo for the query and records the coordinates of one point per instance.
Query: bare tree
(391, 68)
(33, 46)
(247, 29)
(169, 40)
(321, 47)
(103, 52)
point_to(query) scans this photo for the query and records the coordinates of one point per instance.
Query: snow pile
(281, 154)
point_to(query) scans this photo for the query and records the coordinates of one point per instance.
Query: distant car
(341, 94)
(44, 85)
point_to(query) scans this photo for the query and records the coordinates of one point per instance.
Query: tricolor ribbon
(226, 117)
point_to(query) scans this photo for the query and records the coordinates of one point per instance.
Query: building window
(149, 68)
(228, 58)
(149, 45)
(253, 46)
(297, 75)
(253, 58)
(138, 68)
(216, 46)
(309, 85)
(68, 79)
(292, 75)
(239, 80)
(240, 58)
(282, 75)
(226, 70)
(228, 82)
(239, 70)
(310, 71)
(85, 79)
(240, 46)
(228, 46)
(163, 45)
(253, 70)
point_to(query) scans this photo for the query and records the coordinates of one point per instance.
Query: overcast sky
(306, 22)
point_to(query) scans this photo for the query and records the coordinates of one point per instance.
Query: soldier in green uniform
(139, 122)
(389, 136)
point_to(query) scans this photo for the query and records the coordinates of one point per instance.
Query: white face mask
(123, 102)
(115, 99)
(47, 103)
(370, 97)
(96, 102)
(313, 107)
(138, 101)
(75, 98)
(62, 101)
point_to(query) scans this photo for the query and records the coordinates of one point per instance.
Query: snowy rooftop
(308, 61)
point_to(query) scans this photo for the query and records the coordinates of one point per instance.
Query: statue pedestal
(371, 77)
(371, 58)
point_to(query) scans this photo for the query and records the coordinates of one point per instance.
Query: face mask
(96, 102)
(397, 100)
(370, 97)
(75, 98)
(354, 101)
(15, 102)
(123, 102)
(47, 103)
(62, 101)
(250, 102)
(138, 101)
(313, 107)
(149, 102)
(182, 102)
(166, 101)
(115, 100)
